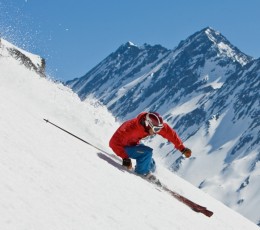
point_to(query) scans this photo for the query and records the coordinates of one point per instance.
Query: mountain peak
(205, 36)
(126, 46)
(209, 40)
(209, 29)
(210, 33)
(129, 43)
(225, 47)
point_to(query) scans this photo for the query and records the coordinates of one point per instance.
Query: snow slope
(50, 180)
(208, 91)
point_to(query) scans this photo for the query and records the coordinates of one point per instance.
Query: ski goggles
(155, 128)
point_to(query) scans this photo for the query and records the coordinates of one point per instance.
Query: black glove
(186, 152)
(127, 163)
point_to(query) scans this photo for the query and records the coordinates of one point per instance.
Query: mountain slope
(134, 78)
(31, 61)
(51, 180)
(113, 80)
(207, 89)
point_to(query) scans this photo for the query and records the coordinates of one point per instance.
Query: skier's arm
(168, 133)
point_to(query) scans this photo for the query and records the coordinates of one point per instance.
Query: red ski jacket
(131, 132)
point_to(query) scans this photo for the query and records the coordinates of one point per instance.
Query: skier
(126, 141)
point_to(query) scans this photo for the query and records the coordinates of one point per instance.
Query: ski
(194, 206)
(154, 180)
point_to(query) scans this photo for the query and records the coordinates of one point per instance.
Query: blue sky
(75, 35)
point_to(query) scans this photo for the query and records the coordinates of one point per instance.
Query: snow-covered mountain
(31, 61)
(208, 90)
(51, 180)
(133, 78)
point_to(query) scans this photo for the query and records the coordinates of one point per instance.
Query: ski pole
(47, 121)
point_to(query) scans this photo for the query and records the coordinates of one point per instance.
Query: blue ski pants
(143, 156)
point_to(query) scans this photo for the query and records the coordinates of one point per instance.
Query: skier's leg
(143, 155)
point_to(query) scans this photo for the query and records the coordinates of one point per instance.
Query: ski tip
(203, 210)
(46, 120)
(208, 213)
